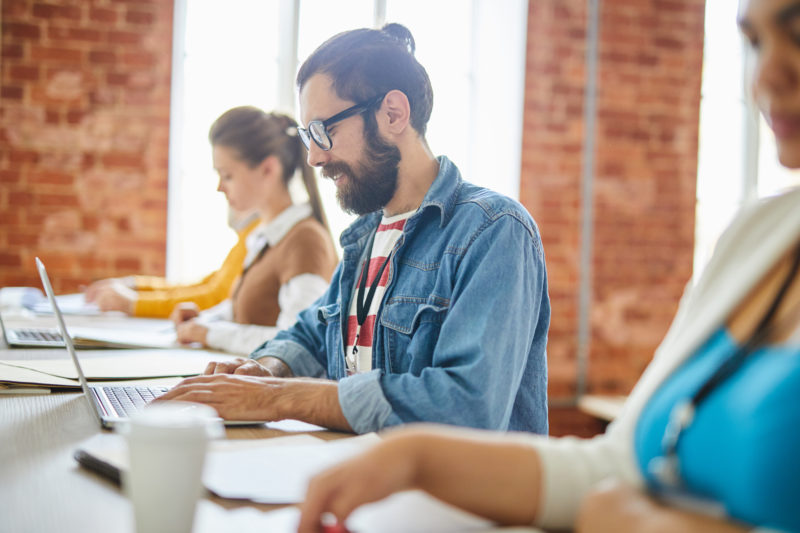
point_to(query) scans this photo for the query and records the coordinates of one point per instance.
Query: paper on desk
(125, 337)
(110, 448)
(131, 364)
(212, 518)
(69, 304)
(401, 513)
(276, 475)
(292, 426)
(25, 376)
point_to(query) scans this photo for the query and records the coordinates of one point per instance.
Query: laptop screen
(62, 327)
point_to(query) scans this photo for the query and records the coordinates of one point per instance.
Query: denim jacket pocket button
(411, 330)
(328, 313)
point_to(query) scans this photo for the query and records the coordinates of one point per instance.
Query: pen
(331, 525)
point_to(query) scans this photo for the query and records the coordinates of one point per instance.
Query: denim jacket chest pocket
(411, 329)
(330, 318)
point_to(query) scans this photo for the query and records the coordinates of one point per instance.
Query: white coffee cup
(167, 445)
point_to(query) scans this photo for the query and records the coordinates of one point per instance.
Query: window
(246, 52)
(737, 159)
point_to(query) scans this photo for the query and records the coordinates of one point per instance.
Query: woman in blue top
(709, 439)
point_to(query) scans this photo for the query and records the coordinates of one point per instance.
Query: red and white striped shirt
(386, 236)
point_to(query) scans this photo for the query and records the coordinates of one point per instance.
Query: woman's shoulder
(311, 238)
(308, 229)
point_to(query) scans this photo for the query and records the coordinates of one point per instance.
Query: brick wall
(84, 107)
(649, 76)
(84, 125)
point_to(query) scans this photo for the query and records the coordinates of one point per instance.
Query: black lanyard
(363, 304)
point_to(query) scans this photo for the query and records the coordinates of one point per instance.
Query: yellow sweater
(157, 297)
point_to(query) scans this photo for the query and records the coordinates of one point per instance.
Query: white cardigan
(751, 245)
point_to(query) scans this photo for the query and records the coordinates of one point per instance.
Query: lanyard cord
(363, 304)
(666, 468)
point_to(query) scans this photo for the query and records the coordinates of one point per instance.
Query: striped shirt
(386, 236)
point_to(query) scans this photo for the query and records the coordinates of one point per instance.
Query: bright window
(235, 53)
(737, 158)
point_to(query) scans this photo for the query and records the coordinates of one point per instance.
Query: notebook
(110, 404)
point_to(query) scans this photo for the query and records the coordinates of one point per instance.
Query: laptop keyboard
(38, 335)
(128, 400)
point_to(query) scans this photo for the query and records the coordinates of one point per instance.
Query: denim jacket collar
(442, 194)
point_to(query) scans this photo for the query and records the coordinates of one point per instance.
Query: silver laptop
(31, 337)
(84, 338)
(110, 404)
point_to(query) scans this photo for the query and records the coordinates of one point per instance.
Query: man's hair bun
(401, 34)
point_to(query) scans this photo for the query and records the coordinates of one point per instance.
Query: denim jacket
(461, 333)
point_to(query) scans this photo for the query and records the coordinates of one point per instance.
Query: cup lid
(180, 418)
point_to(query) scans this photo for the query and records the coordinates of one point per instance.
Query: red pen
(330, 524)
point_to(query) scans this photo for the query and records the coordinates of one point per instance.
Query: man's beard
(373, 184)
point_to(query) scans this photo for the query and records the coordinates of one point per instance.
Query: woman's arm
(485, 473)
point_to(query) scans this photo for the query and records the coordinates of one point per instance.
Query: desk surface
(42, 488)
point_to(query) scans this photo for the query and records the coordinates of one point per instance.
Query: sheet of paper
(291, 426)
(129, 364)
(22, 389)
(110, 448)
(69, 304)
(276, 475)
(401, 513)
(26, 376)
(414, 511)
(212, 518)
(125, 337)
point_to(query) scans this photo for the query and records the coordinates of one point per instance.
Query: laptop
(87, 338)
(31, 337)
(110, 404)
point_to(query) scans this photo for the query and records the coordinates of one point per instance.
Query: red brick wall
(649, 75)
(84, 125)
(84, 107)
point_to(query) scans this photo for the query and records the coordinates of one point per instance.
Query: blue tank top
(742, 450)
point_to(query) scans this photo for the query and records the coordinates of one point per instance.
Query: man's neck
(417, 170)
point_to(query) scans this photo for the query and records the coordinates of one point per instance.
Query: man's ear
(395, 112)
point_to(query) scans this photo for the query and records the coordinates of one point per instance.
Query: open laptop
(110, 404)
(31, 337)
(86, 338)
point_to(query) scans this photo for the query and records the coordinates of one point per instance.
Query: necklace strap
(363, 304)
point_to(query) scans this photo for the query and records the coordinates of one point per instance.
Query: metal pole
(587, 188)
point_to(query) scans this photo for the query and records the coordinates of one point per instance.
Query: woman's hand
(191, 331)
(479, 471)
(386, 468)
(184, 311)
(112, 295)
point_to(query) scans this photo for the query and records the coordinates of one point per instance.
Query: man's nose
(317, 156)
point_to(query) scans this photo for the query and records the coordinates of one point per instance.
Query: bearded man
(438, 311)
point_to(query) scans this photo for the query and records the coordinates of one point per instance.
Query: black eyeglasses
(318, 129)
